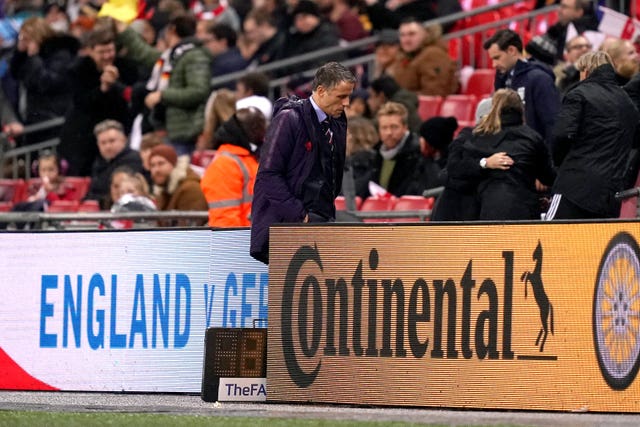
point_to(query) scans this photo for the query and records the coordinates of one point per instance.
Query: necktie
(326, 130)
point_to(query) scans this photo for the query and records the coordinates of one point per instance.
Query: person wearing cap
(532, 80)
(114, 153)
(175, 185)
(310, 32)
(302, 161)
(386, 52)
(229, 179)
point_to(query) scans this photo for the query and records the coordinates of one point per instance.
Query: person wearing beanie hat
(175, 185)
(437, 132)
(435, 135)
(166, 151)
(306, 7)
(482, 109)
(114, 153)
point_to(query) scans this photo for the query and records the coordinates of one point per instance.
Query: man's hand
(109, 76)
(13, 128)
(153, 99)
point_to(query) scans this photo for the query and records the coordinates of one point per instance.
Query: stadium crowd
(144, 123)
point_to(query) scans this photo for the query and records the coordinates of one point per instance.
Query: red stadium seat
(58, 206)
(412, 203)
(341, 203)
(5, 206)
(480, 83)
(80, 184)
(89, 206)
(202, 158)
(629, 206)
(462, 107)
(375, 204)
(428, 106)
(12, 190)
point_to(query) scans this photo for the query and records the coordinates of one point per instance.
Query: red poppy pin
(307, 145)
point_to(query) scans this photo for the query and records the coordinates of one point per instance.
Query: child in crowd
(49, 187)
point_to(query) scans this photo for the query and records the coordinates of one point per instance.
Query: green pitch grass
(55, 419)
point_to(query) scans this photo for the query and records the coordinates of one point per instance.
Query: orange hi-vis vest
(227, 185)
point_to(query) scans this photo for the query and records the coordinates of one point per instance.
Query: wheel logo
(616, 312)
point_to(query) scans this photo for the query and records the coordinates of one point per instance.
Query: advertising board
(121, 311)
(540, 316)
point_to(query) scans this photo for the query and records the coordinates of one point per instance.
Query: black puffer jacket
(594, 133)
(511, 194)
(44, 80)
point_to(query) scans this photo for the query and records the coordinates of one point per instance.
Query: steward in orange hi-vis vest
(228, 180)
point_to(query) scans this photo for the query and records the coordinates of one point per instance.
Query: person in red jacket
(228, 180)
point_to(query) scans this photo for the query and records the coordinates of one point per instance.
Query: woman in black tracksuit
(498, 164)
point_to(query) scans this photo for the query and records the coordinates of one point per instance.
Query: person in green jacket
(179, 85)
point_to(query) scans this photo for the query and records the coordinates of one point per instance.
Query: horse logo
(546, 309)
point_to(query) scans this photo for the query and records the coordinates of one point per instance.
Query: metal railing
(101, 220)
(367, 59)
(20, 158)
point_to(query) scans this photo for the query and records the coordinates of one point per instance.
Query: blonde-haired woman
(221, 105)
(511, 157)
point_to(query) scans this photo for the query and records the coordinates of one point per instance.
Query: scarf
(161, 73)
(390, 153)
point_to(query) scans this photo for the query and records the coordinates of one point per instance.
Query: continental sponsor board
(516, 316)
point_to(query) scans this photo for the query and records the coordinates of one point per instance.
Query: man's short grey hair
(332, 74)
(592, 60)
(106, 125)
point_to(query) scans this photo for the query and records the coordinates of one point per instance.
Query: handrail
(103, 218)
(7, 151)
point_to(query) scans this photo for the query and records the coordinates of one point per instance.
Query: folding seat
(629, 206)
(341, 203)
(480, 83)
(428, 106)
(412, 203)
(89, 206)
(58, 206)
(12, 190)
(378, 204)
(80, 185)
(462, 107)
